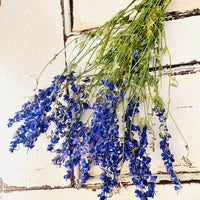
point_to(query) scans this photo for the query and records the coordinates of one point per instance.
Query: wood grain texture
(67, 16)
(162, 179)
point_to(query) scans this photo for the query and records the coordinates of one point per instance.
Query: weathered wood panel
(31, 32)
(93, 13)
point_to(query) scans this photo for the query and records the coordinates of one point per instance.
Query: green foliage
(138, 27)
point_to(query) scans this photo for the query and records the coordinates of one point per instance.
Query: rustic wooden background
(31, 33)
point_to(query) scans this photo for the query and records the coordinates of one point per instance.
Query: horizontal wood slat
(93, 13)
(162, 178)
(181, 15)
(182, 38)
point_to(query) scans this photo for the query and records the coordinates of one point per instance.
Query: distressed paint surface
(183, 41)
(93, 13)
(188, 192)
(31, 33)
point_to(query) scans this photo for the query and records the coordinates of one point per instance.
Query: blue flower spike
(97, 141)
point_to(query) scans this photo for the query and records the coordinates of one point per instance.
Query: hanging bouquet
(103, 112)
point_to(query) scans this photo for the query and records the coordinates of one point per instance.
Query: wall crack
(174, 15)
(5, 188)
(185, 68)
(71, 13)
(63, 24)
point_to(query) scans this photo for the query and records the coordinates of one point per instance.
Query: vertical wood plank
(31, 33)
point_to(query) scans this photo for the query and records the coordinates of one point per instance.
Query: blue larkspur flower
(167, 156)
(104, 143)
(135, 153)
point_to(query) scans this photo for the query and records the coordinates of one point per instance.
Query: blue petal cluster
(135, 153)
(167, 156)
(34, 116)
(104, 140)
(135, 57)
(71, 130)
(85, 167)
(98, 140)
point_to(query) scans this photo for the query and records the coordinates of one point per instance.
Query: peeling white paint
(31, 33)
(93, 13)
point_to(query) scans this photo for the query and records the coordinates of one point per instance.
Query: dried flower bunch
(97, 110)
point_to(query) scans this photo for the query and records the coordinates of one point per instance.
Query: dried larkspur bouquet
(96, 111)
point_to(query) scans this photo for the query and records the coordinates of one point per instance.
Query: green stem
(44, 68)
(182, 136)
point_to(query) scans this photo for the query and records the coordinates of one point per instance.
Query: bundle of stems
(103, 111)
